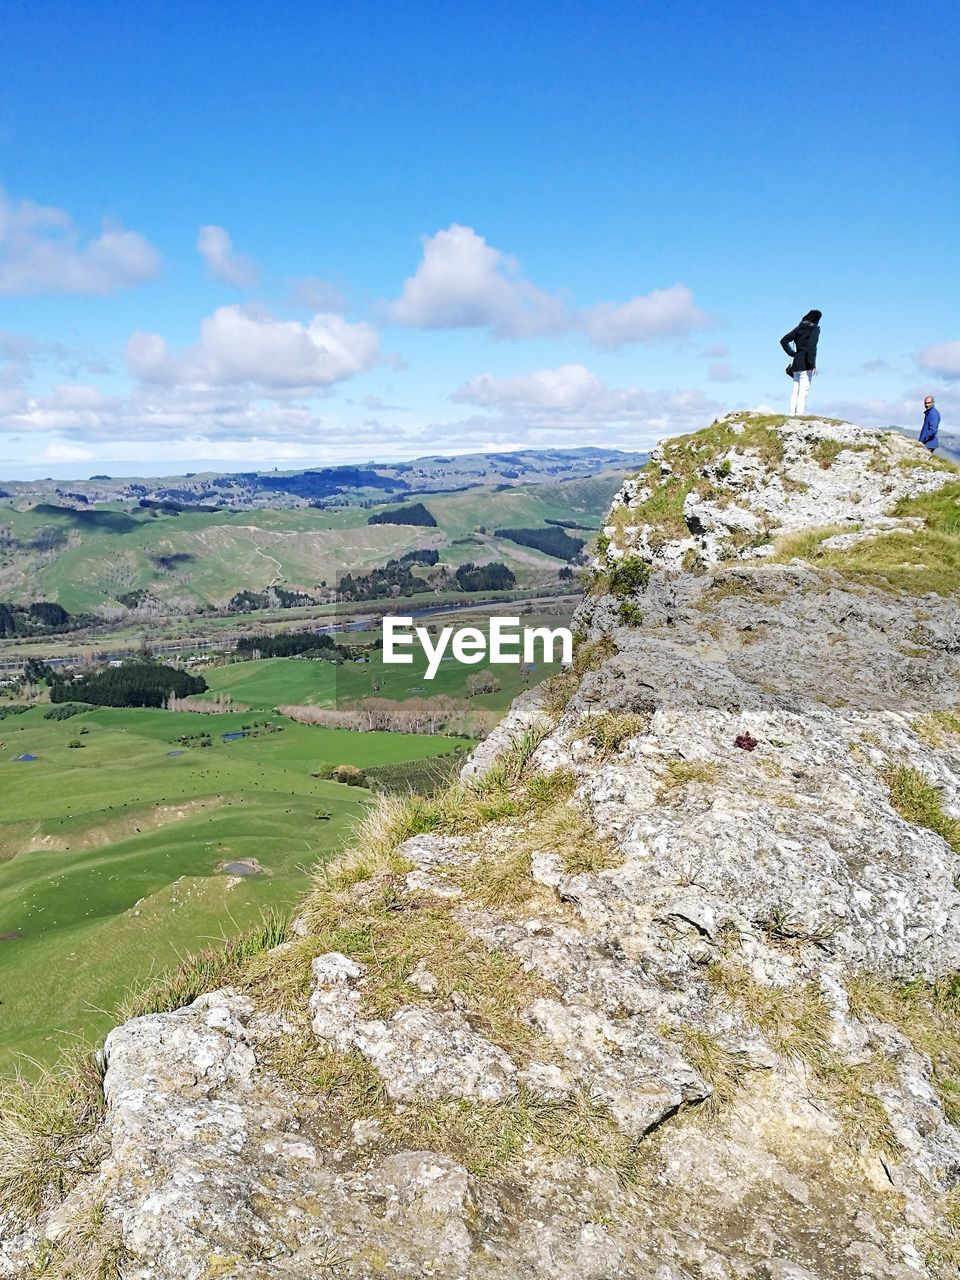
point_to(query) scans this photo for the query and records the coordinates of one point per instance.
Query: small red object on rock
(745, 741)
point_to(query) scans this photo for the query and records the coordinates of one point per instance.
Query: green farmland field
(111, 853)
(265, 683)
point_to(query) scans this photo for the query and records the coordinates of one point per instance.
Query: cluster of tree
(427, 556)
(65, 710)
(139, 599)
(37, 672)
(176, 493)
(38, 619)
(291, 646)
(136, 683)
(482, 682)
(215, 706)
(485, 577)
(417, 513)
(349, 774)
(572, 524)
(170, 508)
(552, 541)
(272, 598)
(394, 579)
(413, 715)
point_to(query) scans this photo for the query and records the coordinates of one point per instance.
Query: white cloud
(905, 410)
(215, 247)
(247, 346)
(59, 451)
(662, 314)
(718, 351)
(156, 413)
(721, 371)
(569, 388)
(572, 397)
(463, 282)
(42, 252)
(942, 360)
(315, 293)
(380, 405)
(160, 425)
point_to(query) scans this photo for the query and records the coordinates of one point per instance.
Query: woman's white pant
(798, 398)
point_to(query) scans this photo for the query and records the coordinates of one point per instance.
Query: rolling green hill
(111, 853)
(86, 558)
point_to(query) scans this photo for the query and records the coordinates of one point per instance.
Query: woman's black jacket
(804, 350)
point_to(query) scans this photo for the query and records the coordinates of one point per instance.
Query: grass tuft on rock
(939, 728)
(795, 1022)
(219, 966)
(725, 1070)
(680, 773)
(918, 801)
(928, 1014)
(486, 1138)
(47, 1128)
(589, 655)
(610, 732)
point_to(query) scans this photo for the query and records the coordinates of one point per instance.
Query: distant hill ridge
(337, 485)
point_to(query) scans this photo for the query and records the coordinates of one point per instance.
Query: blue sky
(257, 235)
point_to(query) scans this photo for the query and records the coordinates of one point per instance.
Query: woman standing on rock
(803, 363)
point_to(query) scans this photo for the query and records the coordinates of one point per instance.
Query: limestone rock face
(670, 1025)
(747, 486)
(417, 1052)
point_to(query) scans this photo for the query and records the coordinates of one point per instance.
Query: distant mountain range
(334, 486)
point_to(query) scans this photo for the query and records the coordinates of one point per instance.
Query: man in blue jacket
(931, 424)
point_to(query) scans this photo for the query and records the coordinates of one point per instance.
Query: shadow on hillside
(91, 521)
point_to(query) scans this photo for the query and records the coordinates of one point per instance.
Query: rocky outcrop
(668, 998)
(748, 480)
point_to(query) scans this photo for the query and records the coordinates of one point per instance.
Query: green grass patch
(628, 577)
(45, 1128)
(111, 857)
(939, 728)
(265, 683)
(911, 561)
(928, 1014)
(219, 966)
(609, 732)
(826, 451)
(918, 801)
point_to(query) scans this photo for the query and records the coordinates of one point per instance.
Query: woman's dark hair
(813, 316)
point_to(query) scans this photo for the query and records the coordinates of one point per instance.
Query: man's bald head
(928, 402)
